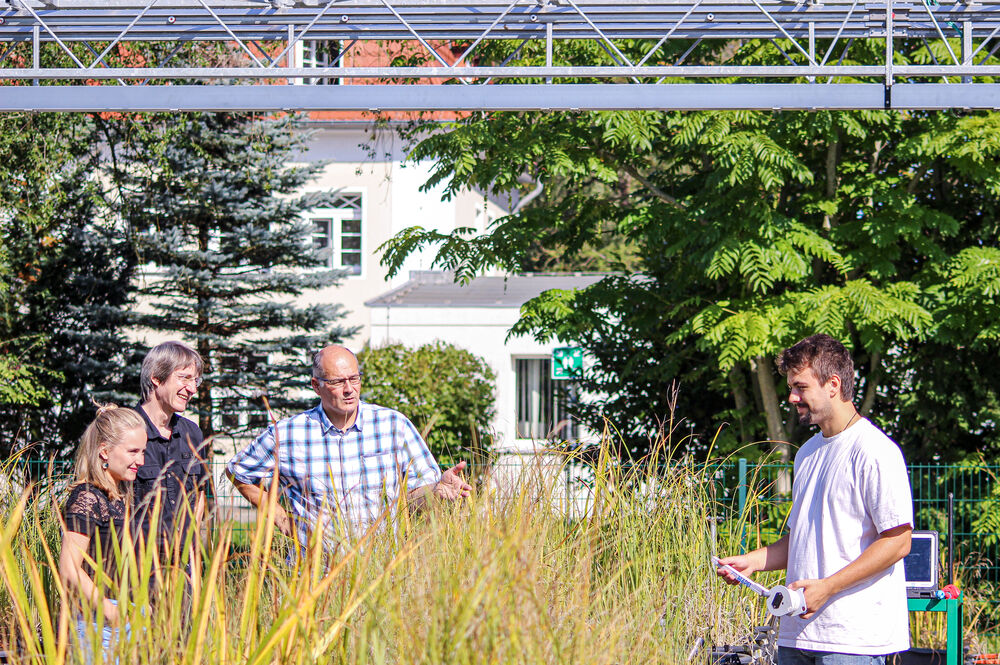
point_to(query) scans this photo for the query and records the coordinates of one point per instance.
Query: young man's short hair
(826, 356)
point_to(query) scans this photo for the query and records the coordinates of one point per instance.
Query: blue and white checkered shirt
(347, 478)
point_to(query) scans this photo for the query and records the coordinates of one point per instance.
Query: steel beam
(444, 73)
(557, 97)
(162, 20)
(562, 97)
(263, 34)
(940, 96)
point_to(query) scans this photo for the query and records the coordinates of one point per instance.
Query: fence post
(741, 493)
(569, 502)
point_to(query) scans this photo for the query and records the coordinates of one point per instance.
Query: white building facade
(478, 317)
(379, 195)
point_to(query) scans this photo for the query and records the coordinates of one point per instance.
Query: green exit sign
(567, 362)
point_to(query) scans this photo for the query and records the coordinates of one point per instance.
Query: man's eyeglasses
(339, 383)
(188, 380)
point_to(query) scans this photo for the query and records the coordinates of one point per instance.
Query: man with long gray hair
(175, 468)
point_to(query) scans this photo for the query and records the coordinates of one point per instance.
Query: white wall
(481, 330)
(357, 161)
(393, 201)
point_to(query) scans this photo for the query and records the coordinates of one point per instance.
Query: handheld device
(781, 601)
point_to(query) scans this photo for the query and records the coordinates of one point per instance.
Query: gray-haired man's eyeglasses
(339, 383)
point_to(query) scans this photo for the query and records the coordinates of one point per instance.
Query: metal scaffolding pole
(82, 54)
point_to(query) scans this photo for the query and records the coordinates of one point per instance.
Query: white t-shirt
(847, 489)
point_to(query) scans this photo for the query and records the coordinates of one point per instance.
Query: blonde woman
(99, 503)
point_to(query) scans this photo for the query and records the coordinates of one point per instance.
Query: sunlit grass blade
(203, 602)
(13, 577)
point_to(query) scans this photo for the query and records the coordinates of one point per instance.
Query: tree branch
(739, 395)
(879, 145)
(872, 383)
(917, 177)
(832, 153)
(659, 193)
(642, 180)
(772, 411)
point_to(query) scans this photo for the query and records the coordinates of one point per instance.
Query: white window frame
(304, 60)
(336, 217)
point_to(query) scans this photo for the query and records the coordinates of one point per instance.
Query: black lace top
(90, 511)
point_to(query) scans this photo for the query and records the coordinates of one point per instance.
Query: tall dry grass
(510, 575)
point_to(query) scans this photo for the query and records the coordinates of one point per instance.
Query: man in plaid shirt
(343, 462)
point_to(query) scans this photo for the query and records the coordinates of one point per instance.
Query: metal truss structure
(812, 36)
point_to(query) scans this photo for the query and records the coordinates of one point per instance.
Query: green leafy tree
(445, 391)
(66, 266)
(218, 209)
(944, 395)
(750, 230)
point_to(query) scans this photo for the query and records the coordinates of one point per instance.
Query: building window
(350, 245)
(322, 236)
(320, 53)
(247, 363)
(541, 402)
(337, 234)
(257, 418)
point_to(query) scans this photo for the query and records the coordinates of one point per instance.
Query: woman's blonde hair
(108, 428)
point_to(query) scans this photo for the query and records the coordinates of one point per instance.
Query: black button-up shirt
(175, 467)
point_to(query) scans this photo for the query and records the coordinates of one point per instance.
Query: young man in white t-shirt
(850, 523)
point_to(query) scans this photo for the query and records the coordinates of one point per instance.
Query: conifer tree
(218, 208)
(66, 267)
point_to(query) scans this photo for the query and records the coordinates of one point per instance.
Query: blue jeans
(109, 636)
(793, 656)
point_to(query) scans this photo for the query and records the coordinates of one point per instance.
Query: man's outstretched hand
(451, 486)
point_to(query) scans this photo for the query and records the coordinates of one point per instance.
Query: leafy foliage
(750, 230)
(67, 258)
(447, 392)
(19, 383)
(66, 268)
